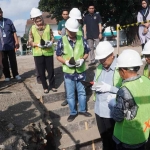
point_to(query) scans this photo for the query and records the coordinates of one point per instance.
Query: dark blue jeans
(71, 86)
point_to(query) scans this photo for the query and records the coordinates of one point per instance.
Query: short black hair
(65, 10)
(91, 4)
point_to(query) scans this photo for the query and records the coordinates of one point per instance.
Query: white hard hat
(129, 58)
(146, 49)
(35, 12)
(72, 25)
(103, 49)
(75, 13)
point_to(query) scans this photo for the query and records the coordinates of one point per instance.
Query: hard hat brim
(104, 56)
(75, 17)
(72, 30)
(146, 52)
(129, 65)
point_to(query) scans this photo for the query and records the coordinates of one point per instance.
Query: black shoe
(64, 103)
(71, 118)
(46, 91)
(86, 114)
(54, 90)
(92, 64)
(39, 81)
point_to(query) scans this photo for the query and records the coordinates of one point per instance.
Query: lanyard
(3, 25)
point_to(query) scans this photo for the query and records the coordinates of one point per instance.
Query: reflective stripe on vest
(77, 53)
(137, 130)
(46, 37)
(117, 80)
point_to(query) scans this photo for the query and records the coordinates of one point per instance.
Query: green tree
(112, 11)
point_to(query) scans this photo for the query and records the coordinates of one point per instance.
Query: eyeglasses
(91, 8)
(65, 14)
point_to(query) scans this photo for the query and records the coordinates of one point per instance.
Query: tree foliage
(112, 11)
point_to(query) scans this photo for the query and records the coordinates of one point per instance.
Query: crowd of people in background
(121, 95)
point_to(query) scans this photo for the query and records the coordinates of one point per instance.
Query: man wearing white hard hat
(107, 82)
(72, 51)
(76, 14)
(131, 108)
(146, 53)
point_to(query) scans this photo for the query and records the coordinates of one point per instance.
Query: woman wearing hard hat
(41, 39)
(146, 53)
(144, 29)
(131, 108)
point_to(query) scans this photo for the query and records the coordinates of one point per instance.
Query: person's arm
(100, 31)
(84, 30)
(16, 40)
(59, 52)
(100, 26)
(59, 28)
(86, 49)
(51, 35)
(125, 106)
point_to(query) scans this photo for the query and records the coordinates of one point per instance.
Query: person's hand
(69, 65)
(48, 43)
(85, 37)
(80, 62)
(40, 46)
(100, 36)
(146, 25)
(103, 87)
(16, 45)
(145, 30)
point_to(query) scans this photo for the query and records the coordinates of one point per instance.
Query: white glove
(104, 87)
(96, 86)
(48, 43)
(80, 62)
(40, 46)
(69, 65)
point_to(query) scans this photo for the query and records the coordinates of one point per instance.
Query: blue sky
(18, 11)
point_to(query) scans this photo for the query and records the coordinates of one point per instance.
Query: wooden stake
(86, 126)
(118, 39)
(93, 145)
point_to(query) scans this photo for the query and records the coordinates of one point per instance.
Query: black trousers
(106, 128)
(9, 56)
(36, 70)
(45, 63)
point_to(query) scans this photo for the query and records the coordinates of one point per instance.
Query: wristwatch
(100, 32)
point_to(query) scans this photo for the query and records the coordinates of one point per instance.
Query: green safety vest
(37, 51)
(80, 33)
(117, 80)
(146, 71)
(137, 130)
(77, 53)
